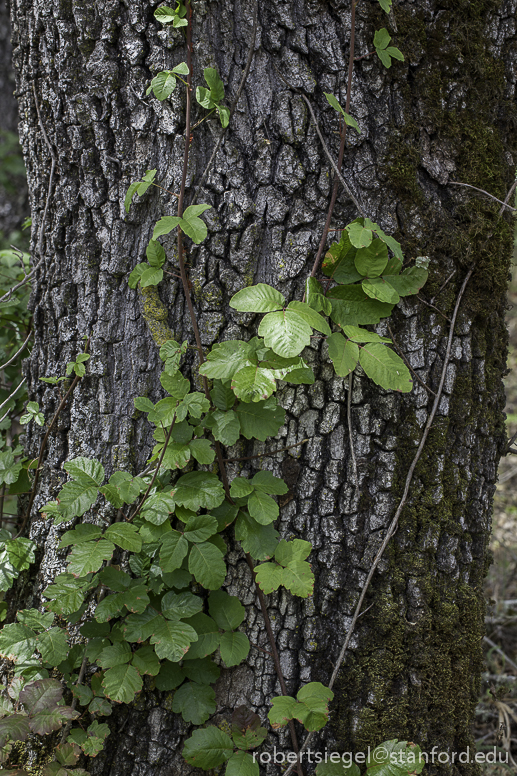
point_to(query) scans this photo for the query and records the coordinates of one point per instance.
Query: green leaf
(234, 647)
(87, 471)
(312, 709)
(165, 15)
(227, 610)
(206, 563)
(162, 84)
(227, 428)
(395, 758)
(17, 642)
(165, 225)
(302, 376)
(140, 187)
(66, 595)
(351, 306)
(269, 576)
(83, 532)
(21, 552)
(177, 385)
(242, 764)
(67, 754)
(253, 383)
(371, 261)
(263, 508)
(193, 226)
(316, 296)
(378, 288)
(381, 38)
(224, 115)
(199, 489)
(260, 420)
(151, 277)
(171, 353)
(200, 528)
(225, 359)
(208, 637)
(179, 605)
(48, 720)
(83, 694)
(284, 709)
(384, 57)
(287, 552)
(75, 499)
(386, 6)
(358, 235)
(53, 646)
(409, 282)
(222, 396)
(240, 487)
(34, 619)
(202, 451)
(124, 535)
(173, 550)
(158, 507)
(215, 84)
(343, 354)
(285, 332)
(362, 335)
(395, 53)
(268, 483)
(195, 702)
(310, 316)
(139, 627)
(182, 68)
(385, 368)
(203, 671)
(195, 404)
(259, 540)
(260, 298)
(298, 578)
(146, 661)
(122, 683)
(207, 748)
(7, 572)
(335, 104)
(172, 639)
(116, 655)
(89, 557)
(9, 470)
(170, 676)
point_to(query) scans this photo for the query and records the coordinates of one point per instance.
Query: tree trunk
(445, 114)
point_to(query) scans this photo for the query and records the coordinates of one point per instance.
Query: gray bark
(447, 113)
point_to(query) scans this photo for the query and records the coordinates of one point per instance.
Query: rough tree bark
(447, 113)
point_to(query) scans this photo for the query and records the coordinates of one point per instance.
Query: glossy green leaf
(89, 556)
(13, 728)
(283, 709)
(122, 683)
(87, 471)
(53, 646)
(173, 550)
(357, 334)
(171, 353)
(172, 638)
(165, 225)
(140, 627)
(116, 655)
(146, 661)
(158, 507)
(169, 677)
(192, 225)
(343, 354)
(21, 552)
(298, 578)
(81, 533)
(259, 540)
(242, 764)
(351, 306)
(42, 694)
(335, 104)
(225, 359)
(222, 396)
(207, 748)
(381, 38)
(260, 420)
(17, 642)
(285, 332)
(260, 298)
(359, 236)
(263, 508)
(227, 610)
(372, 260)
(151, 277)
(124, 535)
(408, 282)
(296, 550)
(241, 487)
(310, 316)
(34, 619)
(66, 595)
(200, 528)
(315, 296)
(75, 499)
(269, 577)
(195, 702)
(202, 451)
(226, 428)
(234, 648)
(379, 288)
(214, 83)
(268, 483)
(206, 563)
(199, 489)
(253, 383)
(203, 671)
(155, 254)
(385, 368)
(208, 637)
(162, 85)
(312, 709)
(180, 605)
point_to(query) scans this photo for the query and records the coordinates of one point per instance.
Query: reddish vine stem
(341, 147)
(42, 449)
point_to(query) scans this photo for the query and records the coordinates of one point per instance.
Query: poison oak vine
(147, 592)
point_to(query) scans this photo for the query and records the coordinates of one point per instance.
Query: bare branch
(13, 358)
(482, 191)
